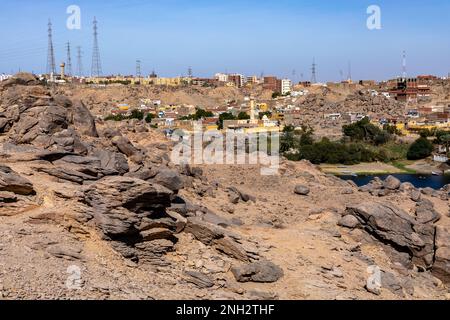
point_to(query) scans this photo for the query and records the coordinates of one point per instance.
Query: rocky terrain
(102, 100)
(94, 210)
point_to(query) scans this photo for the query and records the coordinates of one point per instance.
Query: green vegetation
(365, 131)
(276, 95)
(198, 115)
(149, 117)
(362, 142)
(443, 138)
(223, 117)
(135, 114)
(230, 116)
(420, 149)
(402, 166)
(326, 151)
(243, 116)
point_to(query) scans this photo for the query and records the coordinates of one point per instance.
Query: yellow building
(123, 107)
(171, 82)
(263, 107)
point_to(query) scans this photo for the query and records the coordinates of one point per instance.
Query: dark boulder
(262, 271)
(425, 212)
(302, 190)
(81, 118)
(392, 183)
(170, 179)
(113, 162)
(441, 267)
(395, 227)
(13, 182)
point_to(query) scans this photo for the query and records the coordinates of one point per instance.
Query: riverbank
(372, 168)
(378, 168)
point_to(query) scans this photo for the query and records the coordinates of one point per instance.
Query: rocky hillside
(95, 210)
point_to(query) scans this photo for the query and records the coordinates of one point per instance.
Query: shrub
(420, 149)
(150, 117)
(365, 131)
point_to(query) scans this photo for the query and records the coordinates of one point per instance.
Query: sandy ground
(372, 168)
(425, 167)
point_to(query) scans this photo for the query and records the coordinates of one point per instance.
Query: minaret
(252, 109)
(63, 70)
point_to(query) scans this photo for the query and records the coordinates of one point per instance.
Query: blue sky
(245, 36)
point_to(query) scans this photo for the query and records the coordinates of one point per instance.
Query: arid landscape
(94, 209)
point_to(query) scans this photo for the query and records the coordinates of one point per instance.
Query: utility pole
(138, 69)
(79, 62)
(96, 70)
(190, 73)
(50, 54)
(69, 60)
(314, 71)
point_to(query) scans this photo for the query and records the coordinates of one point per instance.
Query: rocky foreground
(93, 210)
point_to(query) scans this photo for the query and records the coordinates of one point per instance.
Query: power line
(96, 70)
(50, 54)
(69, 60)
(138, 69)
(79, 62)
(314, 71)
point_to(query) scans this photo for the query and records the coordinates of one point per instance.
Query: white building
(237, 77)
(222, 77)
(286, 86)
(253, 79)
(4, 77)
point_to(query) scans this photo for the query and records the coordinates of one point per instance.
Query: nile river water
(418, 180)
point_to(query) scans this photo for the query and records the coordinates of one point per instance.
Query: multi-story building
(272, 83)
(171, 82)
(410, 90)
(237, 79)
(253, 80)
(276, 85)
(286, 86)
(221, 77)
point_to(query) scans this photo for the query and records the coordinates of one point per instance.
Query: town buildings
(221, 77)
(286, 86)
(4, 77)
(272, 83)
(237, 79)
(410, 90)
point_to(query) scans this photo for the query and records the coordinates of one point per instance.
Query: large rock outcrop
(81, 118)
(441, 268)
(396, 228)
(11, 181)
(131, 212)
